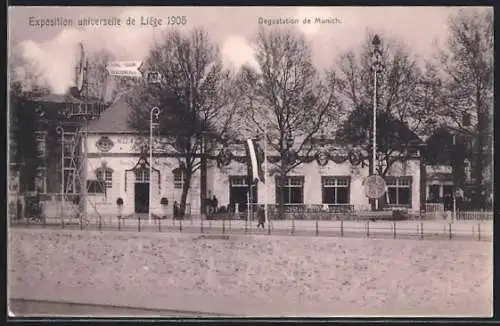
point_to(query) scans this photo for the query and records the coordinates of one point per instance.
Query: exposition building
(119, 156)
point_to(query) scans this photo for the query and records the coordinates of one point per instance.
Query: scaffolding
(74, 156)
(75, 165)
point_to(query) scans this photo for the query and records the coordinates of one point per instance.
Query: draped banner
(255, 161)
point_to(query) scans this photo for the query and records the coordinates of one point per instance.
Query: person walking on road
(261, 216)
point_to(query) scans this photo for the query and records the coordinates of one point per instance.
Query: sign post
(375, 186)
(125, 69)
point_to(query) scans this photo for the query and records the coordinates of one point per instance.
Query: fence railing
(409, 229)
(69, 210)
(434, 207)
(474, 215)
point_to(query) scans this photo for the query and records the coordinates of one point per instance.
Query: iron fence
(74, 208)
(46, 210)
(404, 229)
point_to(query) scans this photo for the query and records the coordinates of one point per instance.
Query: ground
(253, 275)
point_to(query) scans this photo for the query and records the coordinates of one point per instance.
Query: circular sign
(374, 186)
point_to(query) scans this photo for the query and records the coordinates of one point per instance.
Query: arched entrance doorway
(142, 180)
(141, 190)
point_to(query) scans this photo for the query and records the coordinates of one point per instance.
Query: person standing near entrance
(215, 204)
(261, 216)
(176, 210)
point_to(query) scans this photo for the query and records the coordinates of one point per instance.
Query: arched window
(105, 175)
(142, 175)
(179, 178)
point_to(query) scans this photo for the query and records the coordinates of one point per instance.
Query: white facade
(124, 154)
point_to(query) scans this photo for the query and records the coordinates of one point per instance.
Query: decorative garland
(355, 158)
(322, 158)
(339, 158)
(224, 158)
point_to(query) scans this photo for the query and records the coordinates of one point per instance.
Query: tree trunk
(203, 182)
(370, 167)
(479, 167)
(281, 195)
(185, 189)
(478, 155)
(423, 182)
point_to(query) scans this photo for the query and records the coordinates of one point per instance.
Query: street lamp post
(266, 213)
(155, 112)
(60, 131)
(203, 177)
(376, 69)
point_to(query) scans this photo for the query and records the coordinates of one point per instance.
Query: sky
(54, 48)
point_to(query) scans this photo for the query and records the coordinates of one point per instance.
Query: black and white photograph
(201, 162)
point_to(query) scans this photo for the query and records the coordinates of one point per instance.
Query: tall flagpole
(265, 179)
(154, 113)
(376, 65)
(248, 203)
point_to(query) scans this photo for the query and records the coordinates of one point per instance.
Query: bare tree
(467, 64)
(286, 100)
(404, 102)
(196, 99)
(26, 75)
(25, 83)
(97, 75)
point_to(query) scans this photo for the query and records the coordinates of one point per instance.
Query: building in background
(449, 158)
(118, 167)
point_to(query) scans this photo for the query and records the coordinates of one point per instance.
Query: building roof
(65, 99)
(439, 177)
(114, 119)
(58, 98)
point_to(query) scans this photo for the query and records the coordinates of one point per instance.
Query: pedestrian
(215, 203)
(261, 216)
(19, 209)
(176, 210)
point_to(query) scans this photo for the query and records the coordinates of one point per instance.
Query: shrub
(164, 201)
(119, 201)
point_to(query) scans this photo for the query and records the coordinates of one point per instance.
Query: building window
(96, 187)
(238, 181)
(106, 176)
(434, 194)
(142, 175)
(335, 190)
(179, 178)
(40, 181)
(399, 190)
(238, 192)
(292, 190)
